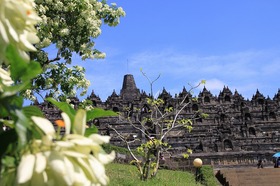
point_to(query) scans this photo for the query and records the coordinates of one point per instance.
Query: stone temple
(237, 131)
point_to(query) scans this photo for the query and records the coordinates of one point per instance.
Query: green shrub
(122, 150)
(109, 148)
(209, 178)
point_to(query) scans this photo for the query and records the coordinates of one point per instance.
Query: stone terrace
(237, 131)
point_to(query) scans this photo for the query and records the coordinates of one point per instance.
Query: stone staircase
(249, 177)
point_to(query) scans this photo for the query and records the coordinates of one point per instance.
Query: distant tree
(67, 27)
(156, 126)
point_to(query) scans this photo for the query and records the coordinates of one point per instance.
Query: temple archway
(223, 117)
(252, 131)
(199, 148)
(206, 99)
(247, 116)
(272, 115)
(187, 100)
(228, 145)
(260, 101)
(116, 109)
(227, 98)
(195, 107)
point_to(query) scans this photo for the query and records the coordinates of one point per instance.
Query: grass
(127, 175)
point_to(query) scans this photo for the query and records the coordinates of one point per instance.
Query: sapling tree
(155, 125)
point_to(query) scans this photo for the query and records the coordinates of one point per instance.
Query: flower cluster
(69, 78)
(29, 95)
(86, 104)
(74, 32)
(17, 20)
(71, 160)
(72, 27)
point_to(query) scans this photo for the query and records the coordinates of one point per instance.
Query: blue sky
(232, 43)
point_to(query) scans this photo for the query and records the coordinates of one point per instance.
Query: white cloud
(214, 85)
(244, 71)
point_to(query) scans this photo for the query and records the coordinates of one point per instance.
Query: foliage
(67, 27)
(32, 138)
(60, 79)
(209, 178)
(109, 148)
(122, 174)
(32, 151)
(122, 150)
(72, 25)
(91, 114)
(156, 124)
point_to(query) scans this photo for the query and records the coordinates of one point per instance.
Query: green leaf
(3, 111)
(9, 161)
(8, 104)
(22, 127)
(91, 130)
(13, 90)
(8, 123)
(65, 107)
(98, 113)
(6, 138)
(34, 68)
(21, 69)
(32, 111)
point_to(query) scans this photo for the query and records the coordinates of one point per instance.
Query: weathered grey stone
(236, 130)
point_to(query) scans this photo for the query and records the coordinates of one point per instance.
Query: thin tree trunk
(157, 164)
(146, 168)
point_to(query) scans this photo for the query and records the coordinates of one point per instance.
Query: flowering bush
(70, 26)
(32, 151)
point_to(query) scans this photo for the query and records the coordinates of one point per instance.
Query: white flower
(100, 55)
(25, 168)
(64, 32)
(88, 107)
(28, 94)
(69, 160)
(17, 20)
(67, 122)
(5, 78)
(45, 125)
(46, 42)
(100, 139)
(40, 163)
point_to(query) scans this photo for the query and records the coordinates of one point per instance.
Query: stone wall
(237, 131)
